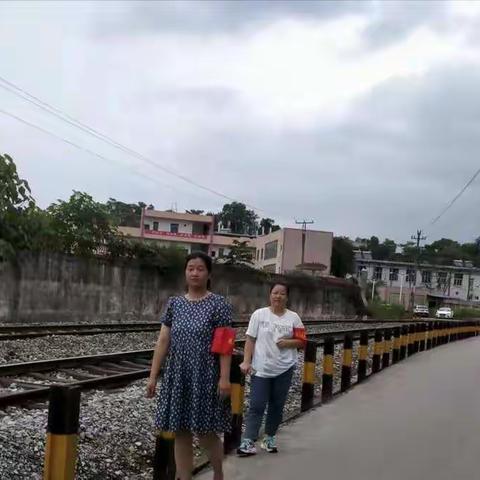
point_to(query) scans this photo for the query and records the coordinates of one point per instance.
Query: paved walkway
(418, 421)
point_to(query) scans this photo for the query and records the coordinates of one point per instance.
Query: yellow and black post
(327, 377)
(429, 327)
(423, 331)
(347, 362)
(403, 342)
(164, 458)
(416, 343)
(363, 356)
(387, 348)
(377, 352)
(237, 380)
(62, 433)
(308, 387)
(411, 339)
(434, 334)
(396, 345)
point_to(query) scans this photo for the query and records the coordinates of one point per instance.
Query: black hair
(206, 259)
(282, 284)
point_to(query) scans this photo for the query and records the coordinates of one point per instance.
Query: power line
(457, 196)
(19, 92)
(79, 147)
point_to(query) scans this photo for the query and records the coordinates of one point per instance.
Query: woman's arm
(224, 386)
(159, 354)
(249, 348)
(290, 343)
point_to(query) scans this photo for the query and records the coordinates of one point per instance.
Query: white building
(431, 284)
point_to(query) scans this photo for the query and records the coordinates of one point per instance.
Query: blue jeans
(267, 391)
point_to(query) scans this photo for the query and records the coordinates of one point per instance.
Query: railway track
(18, 332)
(30, 381)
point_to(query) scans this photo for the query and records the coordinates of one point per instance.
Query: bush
(385, 311)
(466, 313)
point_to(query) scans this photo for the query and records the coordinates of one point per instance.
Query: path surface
(418, 421)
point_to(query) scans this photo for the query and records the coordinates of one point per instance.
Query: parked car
(421, 311)
(444, 312)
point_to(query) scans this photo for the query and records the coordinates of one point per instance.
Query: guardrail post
(428, 329)
(237, 380)
(403, 342)
(416, 343)
(308, 386)
(62, 433)
(434, 334)
(421, 343)
(377, 351)
(363, 357)
(396, 345)
(387, 348)
(164, 458)
(327, 377)
(411, 339)
(347, 362)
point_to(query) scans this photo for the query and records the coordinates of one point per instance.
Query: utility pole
(418, 238)
(304, 224)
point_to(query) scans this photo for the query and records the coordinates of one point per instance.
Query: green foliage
(81, 224)
(267, 225)
(193, 211)
(460, 313)
(240, 254)
(385, 311)
(240, 219)
(16, 207)
(342, 257)
(125, 214)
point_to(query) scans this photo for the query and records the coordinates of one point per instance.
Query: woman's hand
(284, 343)
(224, 388)
(246, 368)
(151, 387)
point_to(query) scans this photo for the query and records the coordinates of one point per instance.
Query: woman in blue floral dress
(195, 382)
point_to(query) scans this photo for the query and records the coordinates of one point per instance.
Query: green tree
(239, 218)
(240, 254)
(125, 214)
(16, 207)
(81, 224)
(342, 257)
(266, 225)
(195, 212)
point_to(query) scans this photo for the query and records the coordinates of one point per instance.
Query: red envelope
(223, 341)
(299, 334)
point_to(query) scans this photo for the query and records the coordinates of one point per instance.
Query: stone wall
(51, 288)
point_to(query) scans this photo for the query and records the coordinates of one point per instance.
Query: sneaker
(246, 448)
(269, 444)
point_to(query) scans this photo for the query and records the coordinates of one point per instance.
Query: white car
(444, 312)
(421, 311)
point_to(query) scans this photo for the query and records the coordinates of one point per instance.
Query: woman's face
(196, 273)
(278, 296)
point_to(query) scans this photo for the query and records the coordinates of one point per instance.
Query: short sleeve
(167, 315)
(297, 322)
(252, 330)
(223, 314)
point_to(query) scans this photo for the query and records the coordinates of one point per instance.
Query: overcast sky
(363, 116)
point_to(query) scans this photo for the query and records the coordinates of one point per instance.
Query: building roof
(187, 217)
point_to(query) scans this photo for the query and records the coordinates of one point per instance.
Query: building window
(271, 249)
(174, 228)
(258, 254)
(147, 226)
(427, 277)
(155, 226)
(213, 254)
(458, 279)
(411, 276)
(221, 252)
(442, 279)
(261, 254)
(377, 274)
(361, 268)
(393, 277)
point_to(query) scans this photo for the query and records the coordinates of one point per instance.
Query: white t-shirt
(268, 328)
